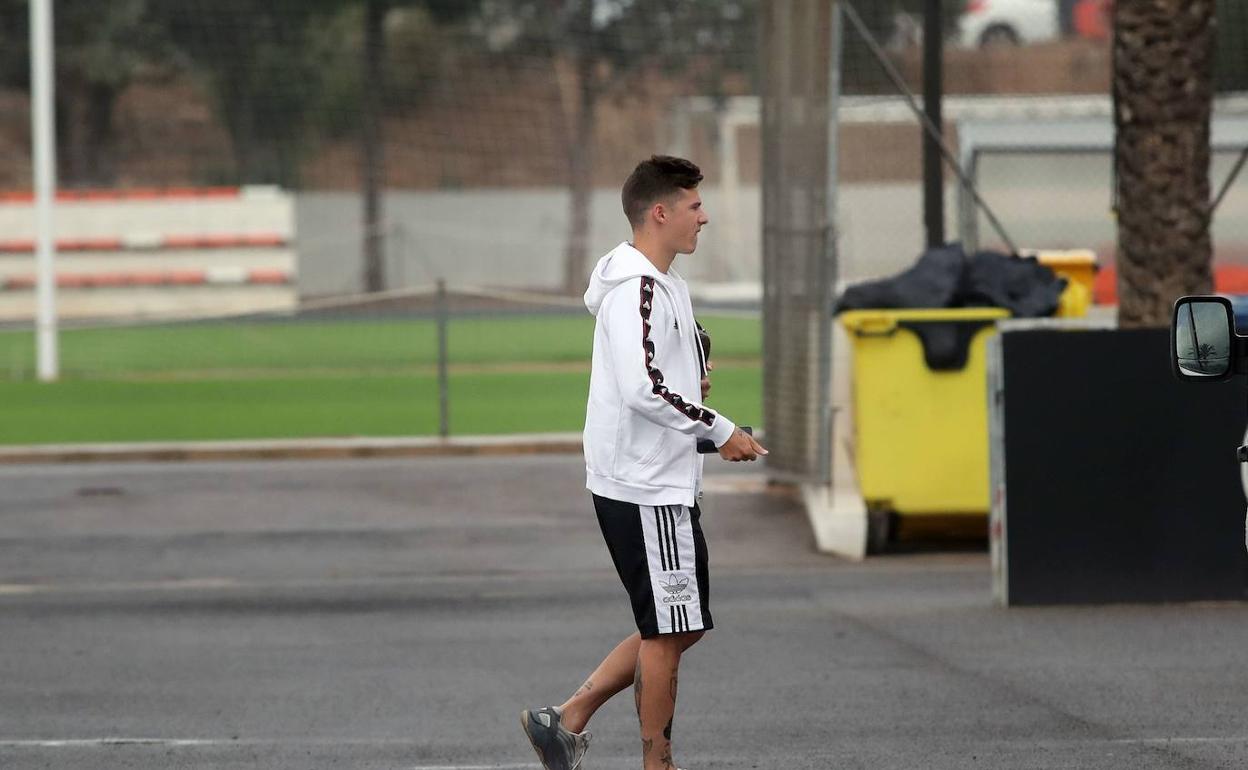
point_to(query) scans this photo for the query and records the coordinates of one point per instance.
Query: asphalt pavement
(398, 613)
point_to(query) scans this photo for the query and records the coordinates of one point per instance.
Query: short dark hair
(655, 179)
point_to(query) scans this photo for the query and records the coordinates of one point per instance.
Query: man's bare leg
(612, 675)
(654, 682)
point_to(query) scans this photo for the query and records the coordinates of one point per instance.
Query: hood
(621, 264)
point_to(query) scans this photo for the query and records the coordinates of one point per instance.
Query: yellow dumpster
(920, 409)
(1078, 267)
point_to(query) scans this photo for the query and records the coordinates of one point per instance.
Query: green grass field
(394, 346)
(345, 378)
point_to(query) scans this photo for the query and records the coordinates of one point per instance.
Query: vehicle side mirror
(1203, 343)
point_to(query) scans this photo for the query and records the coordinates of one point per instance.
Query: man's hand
(741, 446)
(706, 381)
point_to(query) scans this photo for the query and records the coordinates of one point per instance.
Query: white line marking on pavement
(114, 741)
(232, 584)
(90, 742)
(522, 766)
(189, 584)
(1228, 739)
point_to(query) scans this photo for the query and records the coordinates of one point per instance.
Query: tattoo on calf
(667, 731)
(666, 757)
(589, 685)
(673, 686)
(637, 688)
(646, 745)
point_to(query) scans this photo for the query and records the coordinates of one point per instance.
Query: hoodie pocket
(654, 453)
(669, 466)
(640, 443)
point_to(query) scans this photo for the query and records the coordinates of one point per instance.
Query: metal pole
(1230, 179)
(729, 176)
(933, 171)
(899, 83)
(968, 213)
(400, 260)
(832, 232)
(44, 144)
(444, 419)
(372, 147)
(835, 61)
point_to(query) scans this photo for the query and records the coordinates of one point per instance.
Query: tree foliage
(14, 44)
(1231, 64)
(894, 24)
(278, 68)
(624, 34)
(417, 52)
(613, 44)
(100, 49)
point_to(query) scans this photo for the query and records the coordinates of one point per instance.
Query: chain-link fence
(233, 169)
(798, 242)
(260, 199)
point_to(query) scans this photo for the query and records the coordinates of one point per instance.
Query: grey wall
(515, 238)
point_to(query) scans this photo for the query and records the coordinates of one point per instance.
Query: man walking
(642, 425)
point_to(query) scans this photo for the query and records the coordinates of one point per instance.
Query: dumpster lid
(874, 319)
(945, 335)
(1052, 257)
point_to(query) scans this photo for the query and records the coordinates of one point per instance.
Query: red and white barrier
(214, 276)
(143, 194)
(147, 242)
(171, 252)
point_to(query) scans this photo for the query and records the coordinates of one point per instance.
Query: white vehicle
(1008, 22)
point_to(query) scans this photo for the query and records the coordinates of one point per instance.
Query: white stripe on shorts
(670, 556)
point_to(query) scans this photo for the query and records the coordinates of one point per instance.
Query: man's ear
(658, 212)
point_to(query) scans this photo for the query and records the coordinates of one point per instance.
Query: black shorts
(660, 555)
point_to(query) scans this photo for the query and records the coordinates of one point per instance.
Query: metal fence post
(444, 420)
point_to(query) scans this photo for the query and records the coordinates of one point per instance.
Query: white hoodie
(642, 422)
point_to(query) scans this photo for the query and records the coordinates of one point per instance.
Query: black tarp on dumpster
(946, 278)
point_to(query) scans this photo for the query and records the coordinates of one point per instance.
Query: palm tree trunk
(1163, 99)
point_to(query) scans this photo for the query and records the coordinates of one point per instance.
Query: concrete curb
(293, 449)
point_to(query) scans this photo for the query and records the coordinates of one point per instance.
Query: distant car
(1092, 19)
(987, 23)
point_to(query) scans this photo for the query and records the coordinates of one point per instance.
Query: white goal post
(1089, 134)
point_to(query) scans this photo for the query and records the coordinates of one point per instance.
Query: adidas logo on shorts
(675, 586)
